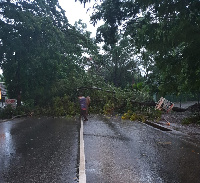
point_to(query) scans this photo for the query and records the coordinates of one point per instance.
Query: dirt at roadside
(174, 121)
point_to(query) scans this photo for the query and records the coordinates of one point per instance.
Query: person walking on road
(83, 105)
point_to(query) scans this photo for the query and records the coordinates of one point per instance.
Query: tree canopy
(38, 48)
(43, 56)
(168, 30)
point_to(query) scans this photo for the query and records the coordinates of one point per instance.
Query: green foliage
(62, 106)
(170, 34)
(9, 111)
(165, 35)
(154, 114)
(39, 49)
(128, 106)
(138, 86)
(147, 114)
(108, 108)
(31, 58)
(22, 110)
(127, 115)
(134, 117)
(195, 119)
(110, 12)
(41, 55)
(42, 111)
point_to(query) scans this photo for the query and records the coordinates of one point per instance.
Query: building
(3, 94)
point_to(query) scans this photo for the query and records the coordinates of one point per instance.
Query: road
(185, 104)
(39, 150)
(46, 150)
(131, 152)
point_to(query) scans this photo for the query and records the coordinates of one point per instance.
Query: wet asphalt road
(42, 150)
(132, 152)
(46, 150)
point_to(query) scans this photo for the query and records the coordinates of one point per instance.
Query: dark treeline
(148, 47)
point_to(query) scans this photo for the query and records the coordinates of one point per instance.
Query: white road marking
(82, 175)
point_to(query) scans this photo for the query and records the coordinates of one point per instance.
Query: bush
(62, 106)
(127, 115)
(134, 117)
(9, 111)
(148, 114)
(108, 108)
(195, 119)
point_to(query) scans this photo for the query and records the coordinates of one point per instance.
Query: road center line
(82, 175)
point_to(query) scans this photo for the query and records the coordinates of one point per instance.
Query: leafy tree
(118, 62)
(120, 65)
(169, 30)
(38, 48)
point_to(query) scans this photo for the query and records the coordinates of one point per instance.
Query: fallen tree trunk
(178, 109)
(152, 104)
(148, 104)
(94, 88)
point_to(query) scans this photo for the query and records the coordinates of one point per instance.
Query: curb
(157, 126)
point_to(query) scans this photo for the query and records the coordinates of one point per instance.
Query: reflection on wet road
(46, 150)
(39, 150)
(131, 152)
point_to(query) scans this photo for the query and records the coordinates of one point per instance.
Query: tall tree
(37, 44)
(120, 62)
(170, 29)
(167, 29)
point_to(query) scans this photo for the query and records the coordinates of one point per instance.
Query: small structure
(164, 104)
(11, 102)
(3, 94)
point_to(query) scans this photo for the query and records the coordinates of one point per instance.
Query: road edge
(82, 175)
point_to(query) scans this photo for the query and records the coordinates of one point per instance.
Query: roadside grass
(194, 119)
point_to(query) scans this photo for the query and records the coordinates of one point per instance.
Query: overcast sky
(75, 11)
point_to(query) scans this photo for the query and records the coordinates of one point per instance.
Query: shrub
(62, 106)
(195, 118)
(148, 114)
(108, 108)
(7, 112)
(134, 117)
